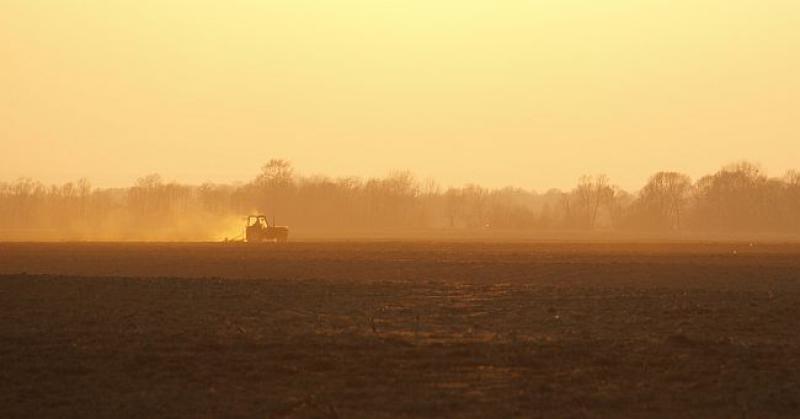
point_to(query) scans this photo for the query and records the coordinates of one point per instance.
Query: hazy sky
(530, 93)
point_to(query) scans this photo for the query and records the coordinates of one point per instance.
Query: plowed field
(408, 329)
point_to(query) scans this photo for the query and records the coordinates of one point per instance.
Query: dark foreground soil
(399, 330)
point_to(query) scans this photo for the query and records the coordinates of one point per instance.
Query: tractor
(258, 229)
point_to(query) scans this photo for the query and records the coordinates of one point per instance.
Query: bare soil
(407, 329)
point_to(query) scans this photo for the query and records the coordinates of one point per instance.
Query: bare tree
(732, 199)
(665, 197)
(273, 189)
(590, 195)
(277, 173)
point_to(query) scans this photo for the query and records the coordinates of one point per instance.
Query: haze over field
(527, 93)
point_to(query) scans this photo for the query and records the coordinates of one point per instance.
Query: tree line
(739, 198)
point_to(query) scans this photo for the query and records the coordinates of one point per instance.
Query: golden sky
(529, 93)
